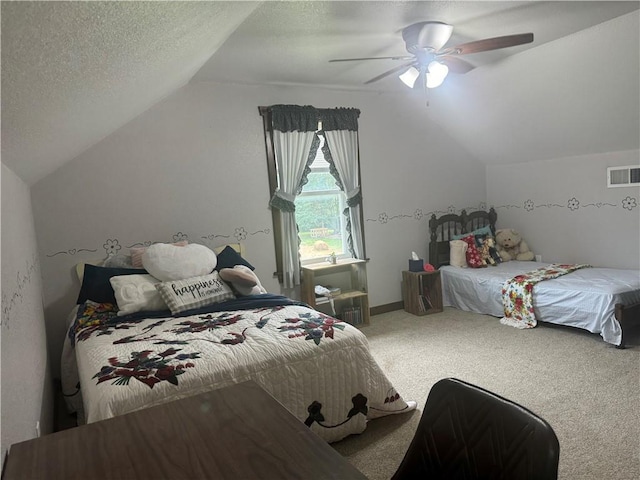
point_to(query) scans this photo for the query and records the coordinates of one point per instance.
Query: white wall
(195, 164)
(565, 211)
(26, 382)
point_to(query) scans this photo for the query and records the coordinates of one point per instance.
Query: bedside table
(422, 292)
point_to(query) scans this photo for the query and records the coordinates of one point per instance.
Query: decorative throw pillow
(243, 280)
(96, 285)
(229, 258)
(137, 293)
(458, 253)
(137, 252)
(474, 260)
(181, 295)
(170, 262)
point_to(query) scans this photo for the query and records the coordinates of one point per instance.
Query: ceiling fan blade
(489, 44)
(390, 72)
(397, 57)
(455, 64)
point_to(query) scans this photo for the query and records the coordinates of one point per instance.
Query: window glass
(319, 208)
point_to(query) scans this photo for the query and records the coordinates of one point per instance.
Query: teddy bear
(511, 246)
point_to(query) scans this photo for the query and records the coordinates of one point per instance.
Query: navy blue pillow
(229, 258)
(96, 285)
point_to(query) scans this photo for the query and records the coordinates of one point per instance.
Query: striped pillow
(194, 292)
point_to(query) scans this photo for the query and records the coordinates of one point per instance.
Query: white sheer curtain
(340, 128)
(294, 132)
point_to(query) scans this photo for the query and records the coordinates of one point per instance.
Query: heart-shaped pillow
(169, 262)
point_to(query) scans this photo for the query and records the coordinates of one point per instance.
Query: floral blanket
(517, 294)
(319, 368)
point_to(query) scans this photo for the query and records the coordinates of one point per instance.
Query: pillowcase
(486, 230)
(458, 253)
(243, 280)
(474, 260)
(96, 285)
(170, 262)
(229, 258)
(137, 252)
(136, 293)
(181, 295)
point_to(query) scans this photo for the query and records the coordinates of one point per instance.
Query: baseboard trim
(389, 307)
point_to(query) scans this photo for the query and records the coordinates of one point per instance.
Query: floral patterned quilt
(319, 368)
(517, 294)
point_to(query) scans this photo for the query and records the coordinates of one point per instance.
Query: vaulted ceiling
(74, 72)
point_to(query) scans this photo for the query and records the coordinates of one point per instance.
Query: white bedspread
(320, 369)
(585, 298)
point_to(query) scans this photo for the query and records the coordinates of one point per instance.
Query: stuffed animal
(488, 251)
(243, 280)
(511, 246)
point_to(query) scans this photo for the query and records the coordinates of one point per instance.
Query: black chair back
(467, 432)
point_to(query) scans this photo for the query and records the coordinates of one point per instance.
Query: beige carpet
(588, 390)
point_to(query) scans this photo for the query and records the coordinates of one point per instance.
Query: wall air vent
(628, 176)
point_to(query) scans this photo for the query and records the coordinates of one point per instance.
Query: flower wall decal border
(573, 204)
(113, 246)
(420, 214)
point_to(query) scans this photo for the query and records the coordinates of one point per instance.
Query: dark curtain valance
(291, 118)
(339, 118)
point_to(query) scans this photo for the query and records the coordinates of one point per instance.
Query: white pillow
(181, 295)
(136, 293)
(169, 262)
(458, 253)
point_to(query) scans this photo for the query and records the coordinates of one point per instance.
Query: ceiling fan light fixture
(410, 76)
(436, 73)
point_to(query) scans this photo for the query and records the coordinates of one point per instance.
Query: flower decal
(240, 234)
(482, 206)
(573, 204)
(451, 209)
(629, 203)
(111, 247)
(528, 205)
(418, 214)
(180, 237)
(383, 218)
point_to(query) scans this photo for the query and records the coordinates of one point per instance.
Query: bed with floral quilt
(319, 368)
(600, 300)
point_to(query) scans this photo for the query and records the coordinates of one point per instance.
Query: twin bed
(319, 368)
(600, 300)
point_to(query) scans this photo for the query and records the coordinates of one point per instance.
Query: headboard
(444, 228)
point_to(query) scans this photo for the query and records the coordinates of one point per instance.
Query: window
(315, 191)
(319, 214)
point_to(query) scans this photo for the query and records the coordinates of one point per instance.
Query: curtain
(295, 142)
(340, 126)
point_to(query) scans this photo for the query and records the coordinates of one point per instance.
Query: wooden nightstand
(422, 292)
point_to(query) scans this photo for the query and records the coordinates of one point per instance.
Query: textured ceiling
(74, 72)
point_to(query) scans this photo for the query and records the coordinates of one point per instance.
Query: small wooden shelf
(350, 275)
(422, 292)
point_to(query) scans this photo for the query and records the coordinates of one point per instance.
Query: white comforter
(320, 369)
(585, 298)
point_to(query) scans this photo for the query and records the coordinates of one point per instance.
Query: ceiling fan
(428, 57)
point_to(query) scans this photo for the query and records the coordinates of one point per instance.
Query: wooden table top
(237, 432)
